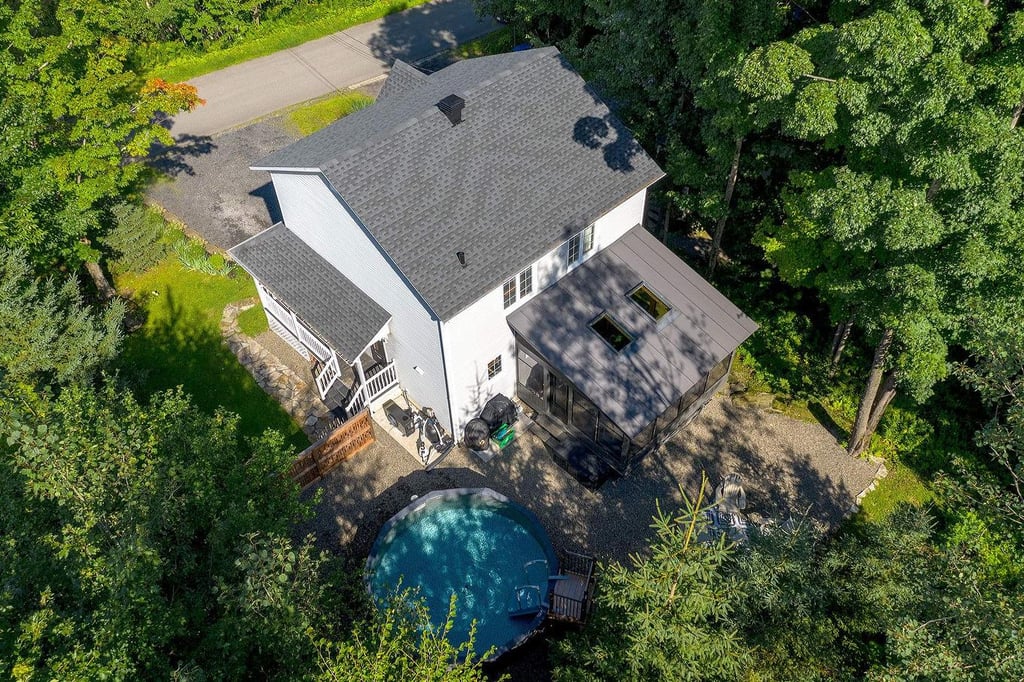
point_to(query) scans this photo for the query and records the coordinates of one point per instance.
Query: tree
(77, 121)
(865, 246)
(47, 334)
(894, 600)
(146, 541)
(398, 642)
(667, 616)
(898, 92)
(996, 371)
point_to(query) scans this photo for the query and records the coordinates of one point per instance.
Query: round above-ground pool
(492, 553)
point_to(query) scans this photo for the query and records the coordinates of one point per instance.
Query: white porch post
(359, 371)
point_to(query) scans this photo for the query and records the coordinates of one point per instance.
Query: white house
(477, 231)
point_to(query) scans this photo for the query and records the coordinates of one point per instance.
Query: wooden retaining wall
(333, 449)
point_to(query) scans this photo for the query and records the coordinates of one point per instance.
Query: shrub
(193, 256)
(136, 238)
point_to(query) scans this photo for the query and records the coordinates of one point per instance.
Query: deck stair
(571, 452)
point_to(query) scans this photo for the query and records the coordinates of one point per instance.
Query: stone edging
(880, 473)
(297, 397)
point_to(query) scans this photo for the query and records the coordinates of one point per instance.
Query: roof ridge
(535, 56)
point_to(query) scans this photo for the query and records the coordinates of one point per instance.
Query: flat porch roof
(662, 359)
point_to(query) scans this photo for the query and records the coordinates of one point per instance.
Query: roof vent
(451, 106)
(462, 257)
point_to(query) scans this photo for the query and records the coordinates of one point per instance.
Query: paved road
(244, 92)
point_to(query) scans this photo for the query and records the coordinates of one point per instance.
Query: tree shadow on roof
(608, 134)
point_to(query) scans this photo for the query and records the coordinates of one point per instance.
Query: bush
(193, 256)
(136, 240)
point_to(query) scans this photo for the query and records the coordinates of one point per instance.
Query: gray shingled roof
(537, 157)
(403, 77)
(666, 357)
(328, 303)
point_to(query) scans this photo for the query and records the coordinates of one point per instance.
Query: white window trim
(525, 277)
(515, 284)
(584, 245)
(496, 361)
(509, 301)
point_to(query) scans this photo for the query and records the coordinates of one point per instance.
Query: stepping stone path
(297, 397)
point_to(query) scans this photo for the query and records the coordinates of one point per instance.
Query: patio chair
(730, 497)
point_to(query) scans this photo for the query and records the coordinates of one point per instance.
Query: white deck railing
(310, 341)
(375, 385)
(327, 375)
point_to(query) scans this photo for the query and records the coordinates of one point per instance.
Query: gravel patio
(787, 465)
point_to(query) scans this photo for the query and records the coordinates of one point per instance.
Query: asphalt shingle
(403, 77)
(327, 302)
(537, 157)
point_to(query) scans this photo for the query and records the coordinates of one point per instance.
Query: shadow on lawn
(181, 347)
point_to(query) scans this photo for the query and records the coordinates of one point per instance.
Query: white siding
(480, 333)
(314, 212)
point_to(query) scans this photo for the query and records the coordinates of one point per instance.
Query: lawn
(253, 321)
(311, 117)
(180, 344)
(174, 62)
(902, 485)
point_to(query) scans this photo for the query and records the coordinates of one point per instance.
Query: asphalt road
(244, 92)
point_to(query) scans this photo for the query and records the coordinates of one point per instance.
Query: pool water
(476, 545)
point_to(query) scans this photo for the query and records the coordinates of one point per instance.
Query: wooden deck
(573, 589)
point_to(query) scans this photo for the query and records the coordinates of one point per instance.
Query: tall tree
(76, 122)
(900, 115)
(399, 642)
(893, 600)
(666, 616)
(47, 334)
(140, 540)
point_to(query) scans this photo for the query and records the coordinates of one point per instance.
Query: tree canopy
(76, 121)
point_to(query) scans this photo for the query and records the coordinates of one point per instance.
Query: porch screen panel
(610, 436)
(666, 418)
(691, 396)
(584, 415)
(719, 370)
(530, 380)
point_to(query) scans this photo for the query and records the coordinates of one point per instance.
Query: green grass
(253, 322)
(497, 42)
(175, 62)
(310, 118)
(902, 485)
(180, 343)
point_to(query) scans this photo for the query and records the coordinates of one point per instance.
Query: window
(719, 370)
(526, 282)
(612, 332)
(649, 301)
(509, 292)
(580, 243)
(494, 367)
(572, 254)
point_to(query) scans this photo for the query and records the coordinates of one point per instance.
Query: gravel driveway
(786, 465)
(209, 187)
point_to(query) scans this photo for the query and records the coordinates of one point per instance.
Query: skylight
(612, 332)
(649, 301)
